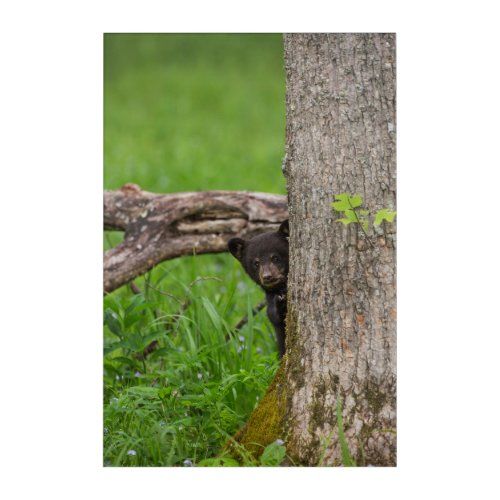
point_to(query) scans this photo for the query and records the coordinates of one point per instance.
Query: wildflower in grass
(138, 375)
(280, 441)
(241, 338)
(131, 453)
(200, 376)
(187, 463)
(258, 350)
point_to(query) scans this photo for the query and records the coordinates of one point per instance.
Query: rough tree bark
(159, 227)
(341, 323)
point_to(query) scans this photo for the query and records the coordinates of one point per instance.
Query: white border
(51, 158)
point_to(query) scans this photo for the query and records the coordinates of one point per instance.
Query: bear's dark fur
(265, 259)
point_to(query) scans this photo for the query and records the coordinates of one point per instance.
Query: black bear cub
(265, 259)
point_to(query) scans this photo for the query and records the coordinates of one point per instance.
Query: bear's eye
(275, 259)
(256, 264)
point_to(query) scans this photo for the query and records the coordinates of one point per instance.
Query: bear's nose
(266, 278)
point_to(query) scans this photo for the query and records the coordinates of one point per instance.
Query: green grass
(194, 112)
(196, 389)
(187, 113)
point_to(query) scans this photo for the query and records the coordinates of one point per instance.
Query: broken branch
(160, 227)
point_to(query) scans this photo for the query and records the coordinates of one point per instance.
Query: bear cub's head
(264, 257)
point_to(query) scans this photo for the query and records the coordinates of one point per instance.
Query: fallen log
(160, 227)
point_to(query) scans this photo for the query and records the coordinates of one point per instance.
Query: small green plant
(273, 454)
(350, 207)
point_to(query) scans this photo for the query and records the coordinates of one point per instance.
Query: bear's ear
(284, 228)
(236, 246)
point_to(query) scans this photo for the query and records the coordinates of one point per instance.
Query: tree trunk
(159, 227)
(341, 323)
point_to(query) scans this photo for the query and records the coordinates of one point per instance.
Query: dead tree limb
(159, 227)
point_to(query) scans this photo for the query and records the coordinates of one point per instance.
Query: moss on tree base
(266, 423)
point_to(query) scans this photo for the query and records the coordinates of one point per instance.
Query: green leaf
(340, 206)
(382, 215)
(110, 302)
(147, 339)
(112, 321)
(135, 314)
(273, 455)
(165, 392)
(346, 202)
(158, 353)
(135, 342)
(342, 196)
(356, 201)
(126, 361)
(212, 313)
(137, 300)
(113, 347)
(131, 318)
(341, 203)
(351, 215)
(110, 370)
(143, 390)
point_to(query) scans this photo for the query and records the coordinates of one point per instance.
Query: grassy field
(188, 113)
